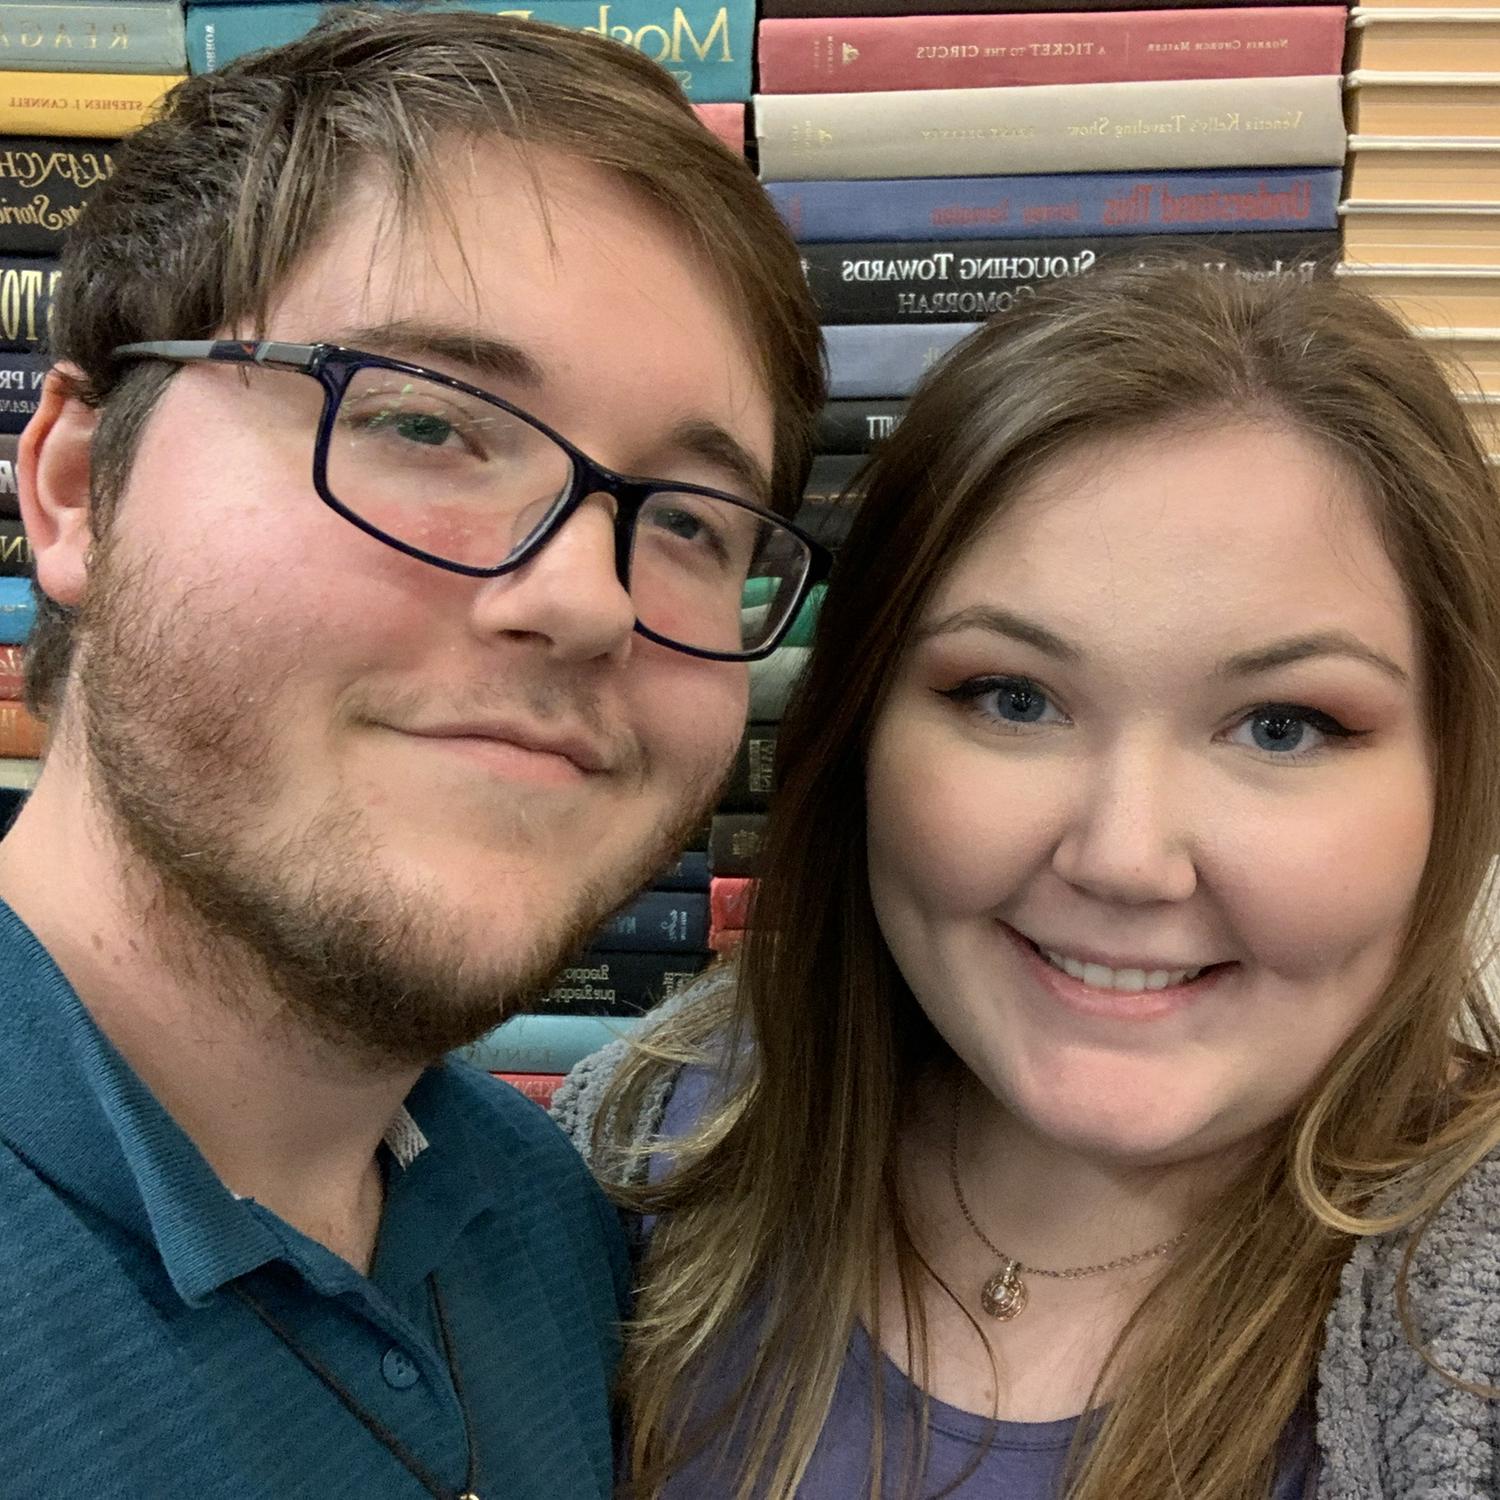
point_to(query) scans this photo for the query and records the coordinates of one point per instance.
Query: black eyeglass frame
(333, 366)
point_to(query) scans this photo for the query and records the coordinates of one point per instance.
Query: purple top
(1016, 1460)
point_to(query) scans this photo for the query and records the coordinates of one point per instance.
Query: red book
(726, 940)
(729, 898)
(858, 54)
(538, 1087)
(12, 670)
(21, 736)
(727, 121)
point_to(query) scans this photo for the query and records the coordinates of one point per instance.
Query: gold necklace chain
(1004, 1295)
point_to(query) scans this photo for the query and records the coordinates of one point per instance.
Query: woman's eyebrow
(1296, 648)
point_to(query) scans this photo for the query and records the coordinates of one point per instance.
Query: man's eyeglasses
(447, 473)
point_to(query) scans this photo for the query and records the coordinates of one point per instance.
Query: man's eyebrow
(1003, 622)
(697, 437)
(486, 357)
(1296, 648)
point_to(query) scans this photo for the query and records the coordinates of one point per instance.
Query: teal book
(92, 36)
(704, 44)
(544, 1044)
(17, 610)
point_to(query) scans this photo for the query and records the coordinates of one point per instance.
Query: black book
(44, 184)
(21, 377)
(752, 778)
(734, 843)
(15, 549)
(963, 281)
(601, 983)
(10, 501)
(856, 426)
(27, 283)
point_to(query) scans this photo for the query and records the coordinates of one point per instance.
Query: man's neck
(282, 1117)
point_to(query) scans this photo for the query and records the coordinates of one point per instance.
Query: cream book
(1423, 40)
(1473, 355)
(1075, 127)
(1383, 169)
(1429, 297)
(1446, 236)
(1423, 104)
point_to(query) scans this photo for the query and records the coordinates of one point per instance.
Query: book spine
(821, 9)
(939, 280)
(21, 378)
(752, 778)
(688, 873)
(852, 427)
(538, 1087)
(1080, 127)
(886, 359)
(731, 898)
(657, 921)
(10, 499)
(15, 555)
(21, 735)
(1051, 205)
(704, 44)
(734, 843)
(858, 54)
(17, 611)
(79, 104)
(26, 287)
(602, 983)
(44, 185)
(12, 672)
(105, 36)
(771, 682)
(727, 121)
(544, 1044)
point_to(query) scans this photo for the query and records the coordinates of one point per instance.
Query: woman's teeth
(1128, 981)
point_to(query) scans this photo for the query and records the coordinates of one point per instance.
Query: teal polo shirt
(131, 1369)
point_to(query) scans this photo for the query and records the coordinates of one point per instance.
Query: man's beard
(178, 725)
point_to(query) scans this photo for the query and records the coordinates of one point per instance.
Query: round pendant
(1004, 1294)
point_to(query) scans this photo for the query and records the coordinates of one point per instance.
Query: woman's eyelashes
(1290, 731)
(1008, 702)
(1278, 731)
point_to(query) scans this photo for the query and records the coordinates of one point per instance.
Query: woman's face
(1151, 796)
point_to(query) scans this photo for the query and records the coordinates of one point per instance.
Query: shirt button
(398, 1370)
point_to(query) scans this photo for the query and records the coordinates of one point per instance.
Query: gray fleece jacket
(1388, 1427)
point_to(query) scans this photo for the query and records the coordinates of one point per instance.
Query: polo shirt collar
(76, 1112)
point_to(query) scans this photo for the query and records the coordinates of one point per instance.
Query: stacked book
(939, 168)
(74, 77)
(704, 44)
(20, 734)
(1422, 216)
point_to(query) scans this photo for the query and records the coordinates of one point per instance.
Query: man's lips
(582, 751)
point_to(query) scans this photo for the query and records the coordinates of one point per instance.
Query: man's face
(415, 792)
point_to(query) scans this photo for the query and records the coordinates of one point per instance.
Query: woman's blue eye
(1289, 730)
(1012, 700)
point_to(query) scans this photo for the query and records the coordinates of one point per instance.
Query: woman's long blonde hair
(778, 1203)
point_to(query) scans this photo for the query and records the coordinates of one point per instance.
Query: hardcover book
(44, 185)
(704, 44)
(657, 921)
(1423, 104)
(752, 778)
(832, 54)
(886, 359)
(1428, 298)
(825, 8)
(939, 280)
(1472, 353)
(17, 610)
(856, 426)
(22, 735)
(730, 899)
(1421, 40)
(1080, 127)
(544, 1044)
(734, 843)
(21, 377)
(538, 1087)
(15, 555)
(93, 36)
(1418, 234)
(771, 682)
(602, 983)
(962, 208)
(10, 503)
(1385, 170)
(26, 287)
(79, 104)
(12, 672)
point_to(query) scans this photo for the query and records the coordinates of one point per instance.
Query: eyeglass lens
(466, 481)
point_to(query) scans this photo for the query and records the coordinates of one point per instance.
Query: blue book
(886, 359)
(704, 44)
(657, 922)
(17, 610)
(544, 1044)
(967, 208)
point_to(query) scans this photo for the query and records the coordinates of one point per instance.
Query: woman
(1112, 1038)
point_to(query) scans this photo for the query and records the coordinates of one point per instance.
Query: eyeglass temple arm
(227, 351)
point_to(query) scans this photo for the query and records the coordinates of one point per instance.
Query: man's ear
(52, 478)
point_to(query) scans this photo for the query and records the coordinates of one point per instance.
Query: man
(370, 695)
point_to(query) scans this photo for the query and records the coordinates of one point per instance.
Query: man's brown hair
(213, 204)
